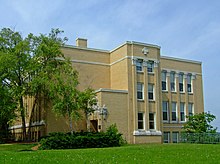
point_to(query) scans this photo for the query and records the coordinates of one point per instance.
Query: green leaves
(200, 123)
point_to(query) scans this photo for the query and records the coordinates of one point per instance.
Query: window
(164, 81)
(181, 88)
(175, 137)
(140, 120)
(182, 111)
(150, 91)
(165, 110)
(189, 83)
(150, 66)
(166, 137)
(174, 113)
(139, 65)
(190, 109)
(140, 88)
(172, 81)
(151, 121)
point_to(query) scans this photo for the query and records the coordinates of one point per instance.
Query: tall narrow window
(139, 65)
(140, 120)
(165, 110)
(150, 66)
(140, 88)
(151, 121)
(175, 137)
(166, 137)
(164, 81)
(150, 91)
(190, 109)
(181, 84)
(182, 111)
(172, 81)
(189, 83)
(174, 113)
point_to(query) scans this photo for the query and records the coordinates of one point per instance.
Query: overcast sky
(187, 29)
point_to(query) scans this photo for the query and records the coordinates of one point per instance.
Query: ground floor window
(175, 137)
(166, 137)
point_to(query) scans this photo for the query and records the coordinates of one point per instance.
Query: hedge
(59, 140)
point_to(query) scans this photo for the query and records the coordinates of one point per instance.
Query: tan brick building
(147, 95)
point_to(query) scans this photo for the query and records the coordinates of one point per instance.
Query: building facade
(147, 95)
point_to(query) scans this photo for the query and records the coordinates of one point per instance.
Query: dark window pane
(140, 125)
(189, 88)
(164, 86)
(165, 116)
(172, 85)
(181, 87)
(150, 96)
(173, 116)
(139, 95)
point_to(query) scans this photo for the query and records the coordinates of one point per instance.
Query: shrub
(110, 138)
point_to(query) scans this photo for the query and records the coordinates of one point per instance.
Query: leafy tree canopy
(200, 123)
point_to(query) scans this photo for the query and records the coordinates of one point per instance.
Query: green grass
(147, 153)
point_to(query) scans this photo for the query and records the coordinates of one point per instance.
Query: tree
(200, 123)
(87, 100)
(14, 66)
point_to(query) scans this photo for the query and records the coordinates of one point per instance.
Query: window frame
(139, 65)
(192, 109)
(167, 111)
(168, 137)
(174, 110)
(176, 136)
(141, 122)
(152, 121)
(140, 91)
(184, 112)
(181, 83)
(150, 66)
(151, 92)
(172, 82)
(189, 83)
(164, 81)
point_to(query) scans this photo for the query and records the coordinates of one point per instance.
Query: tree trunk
(23, 118)
(70, 121)
(87, 123)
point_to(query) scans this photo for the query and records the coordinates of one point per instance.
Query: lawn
(147, 153)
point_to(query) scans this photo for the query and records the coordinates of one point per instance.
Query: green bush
(110, 138)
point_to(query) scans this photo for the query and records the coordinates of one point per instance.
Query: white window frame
(192, 109)
(176, 136)
(174, 110)
(167, 111)
(152, 121)
(150, 66)
(141, 121)
(184, 110)
(139, 64)
(172, 81)
(140, 91)
(181, 75)
(168, 137)
(150, 92)
(189, 83)
(164, 74)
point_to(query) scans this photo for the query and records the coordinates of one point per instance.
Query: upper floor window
(164, 81)
(150, 91)
(139, 65)
(190, 109)
(189, 83)
(172, 81)
(150, 66)
(174, 112)
(151, 121)
(140, 89)
(182, 111)
(181, 82)
(140, 120)
(165, 110)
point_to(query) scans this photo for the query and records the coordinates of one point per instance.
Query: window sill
(174, 92)
(140, 100)
(165, 91)
(151, 100)
(190, 93)
(147, 133)
(140, 72)
(150, 73)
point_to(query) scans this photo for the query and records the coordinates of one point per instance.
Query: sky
(188, 29)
